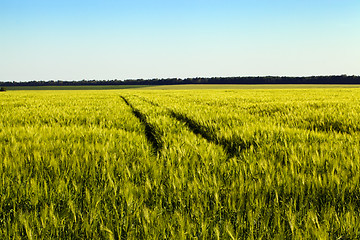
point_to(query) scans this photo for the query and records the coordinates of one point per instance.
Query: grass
(247, 86)
(96, 87)
(184, 87)
(180, 164)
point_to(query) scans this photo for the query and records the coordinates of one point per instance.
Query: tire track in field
(151, 133)
(147, 100)
(232, 147)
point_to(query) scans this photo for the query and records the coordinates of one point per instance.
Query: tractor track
(232, 147)
(151, 132)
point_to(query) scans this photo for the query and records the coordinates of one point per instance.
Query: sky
(131, 39)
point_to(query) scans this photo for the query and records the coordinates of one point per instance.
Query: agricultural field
(180, 164)
(80, 87)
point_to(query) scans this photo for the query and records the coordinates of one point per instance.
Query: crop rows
(300, 151)
(206, 164)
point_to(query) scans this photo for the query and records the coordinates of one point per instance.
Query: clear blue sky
(115, 39)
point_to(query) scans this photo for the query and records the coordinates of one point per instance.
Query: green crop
(180, 164)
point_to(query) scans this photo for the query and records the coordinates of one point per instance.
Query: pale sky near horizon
(109, 39)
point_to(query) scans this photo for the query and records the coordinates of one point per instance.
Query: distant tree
(2, 89)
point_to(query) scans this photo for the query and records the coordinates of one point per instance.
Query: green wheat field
(152, 163)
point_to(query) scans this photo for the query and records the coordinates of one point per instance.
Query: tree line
(333, 79)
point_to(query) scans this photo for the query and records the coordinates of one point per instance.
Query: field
(154, 163)
(84, 87)
(184, 87)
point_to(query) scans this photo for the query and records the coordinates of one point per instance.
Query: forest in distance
(332, 79)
